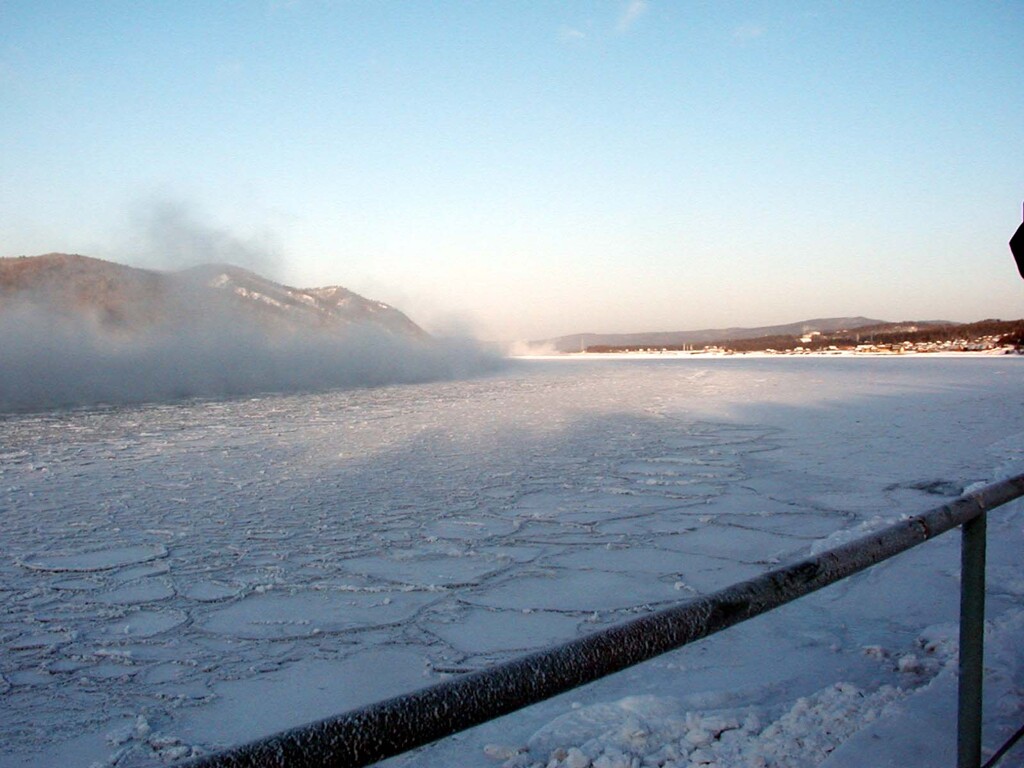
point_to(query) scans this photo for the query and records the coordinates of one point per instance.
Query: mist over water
(182, 341)
(52, 360)
(173, 234)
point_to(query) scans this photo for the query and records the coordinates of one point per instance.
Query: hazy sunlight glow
(536, 169)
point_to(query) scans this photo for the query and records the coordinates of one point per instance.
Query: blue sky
(527, 169)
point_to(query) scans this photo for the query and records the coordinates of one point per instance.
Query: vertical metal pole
(972, 642)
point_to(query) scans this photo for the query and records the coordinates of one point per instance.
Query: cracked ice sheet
(182, 545)
(241, 714)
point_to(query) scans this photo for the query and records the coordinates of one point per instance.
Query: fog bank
(50, 360)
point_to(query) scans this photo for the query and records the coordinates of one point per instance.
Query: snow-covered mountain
(320, 307)
(128, 299)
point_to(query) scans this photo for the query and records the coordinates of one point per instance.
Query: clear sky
(529, 169)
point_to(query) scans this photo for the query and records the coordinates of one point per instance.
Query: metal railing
(366, 735)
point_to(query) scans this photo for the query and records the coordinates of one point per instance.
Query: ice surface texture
(209, 566)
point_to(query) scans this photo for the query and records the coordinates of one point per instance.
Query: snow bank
(647, 731)
(839, 726)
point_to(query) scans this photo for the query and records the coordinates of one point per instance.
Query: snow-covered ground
(179, 578)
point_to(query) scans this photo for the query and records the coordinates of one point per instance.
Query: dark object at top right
(1017, 248)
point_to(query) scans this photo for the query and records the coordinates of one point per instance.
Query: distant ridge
(77, 331)
(127, 299)
(580, 341)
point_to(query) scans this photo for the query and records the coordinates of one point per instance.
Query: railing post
(972, 642)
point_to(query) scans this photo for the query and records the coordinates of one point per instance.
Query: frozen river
(177, 578)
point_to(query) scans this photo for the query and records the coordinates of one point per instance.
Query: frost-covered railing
(387, 728)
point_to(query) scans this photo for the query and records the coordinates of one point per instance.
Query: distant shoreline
(592, 356)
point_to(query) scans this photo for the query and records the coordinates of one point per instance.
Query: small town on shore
(984, 337)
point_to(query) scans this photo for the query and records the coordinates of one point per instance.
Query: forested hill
(984, 333)
(677, 339)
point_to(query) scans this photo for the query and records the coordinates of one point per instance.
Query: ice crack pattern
(159, 560)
